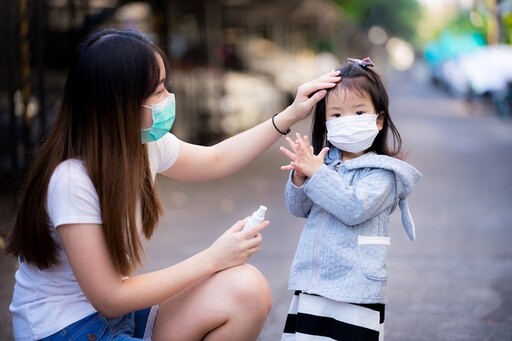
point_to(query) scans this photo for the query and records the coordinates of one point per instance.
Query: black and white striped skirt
(316, 318)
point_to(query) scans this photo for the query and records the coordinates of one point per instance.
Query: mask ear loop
(380, 120)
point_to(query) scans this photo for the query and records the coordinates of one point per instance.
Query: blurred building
(234, 62)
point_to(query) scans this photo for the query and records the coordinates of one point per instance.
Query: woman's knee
(248, 287)
(237, 294)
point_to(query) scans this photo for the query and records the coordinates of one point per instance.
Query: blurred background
(235, 62)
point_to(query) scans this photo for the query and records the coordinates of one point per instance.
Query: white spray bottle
(256, 218)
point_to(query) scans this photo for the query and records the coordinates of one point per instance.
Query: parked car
(482, 72)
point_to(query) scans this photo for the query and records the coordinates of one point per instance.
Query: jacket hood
(406, 178)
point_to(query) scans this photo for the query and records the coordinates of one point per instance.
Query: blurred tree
(464, 23)
(507, 27)
(398, 18)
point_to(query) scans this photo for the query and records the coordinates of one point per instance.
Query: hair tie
(279, 130)
(364, 63)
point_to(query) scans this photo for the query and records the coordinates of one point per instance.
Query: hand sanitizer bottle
(256, 218)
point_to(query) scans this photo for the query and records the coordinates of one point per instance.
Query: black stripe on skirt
(327, 321)
(327, 327)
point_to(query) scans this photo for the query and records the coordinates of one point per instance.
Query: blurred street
(453, 283)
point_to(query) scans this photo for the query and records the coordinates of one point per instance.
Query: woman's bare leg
(230, 305)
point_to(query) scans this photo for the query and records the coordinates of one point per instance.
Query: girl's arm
(199, 163)
(352, 204)
(113, 295)
(297, 202)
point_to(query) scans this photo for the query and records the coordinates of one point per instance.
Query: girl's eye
(359, 112)
(336, 114)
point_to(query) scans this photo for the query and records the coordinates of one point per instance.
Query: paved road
(453, 283)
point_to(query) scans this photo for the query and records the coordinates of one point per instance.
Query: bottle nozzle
(261, 211)
(257, 217)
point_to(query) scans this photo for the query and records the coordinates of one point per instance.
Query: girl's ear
(380, 120)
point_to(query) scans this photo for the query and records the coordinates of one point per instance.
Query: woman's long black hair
(111, 75)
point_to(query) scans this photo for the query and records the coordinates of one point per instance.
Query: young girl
(90, 198)
(346, 184)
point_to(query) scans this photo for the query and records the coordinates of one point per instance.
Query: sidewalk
(7, 263)
(7, 268)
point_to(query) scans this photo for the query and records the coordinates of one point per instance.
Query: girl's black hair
(360, 80)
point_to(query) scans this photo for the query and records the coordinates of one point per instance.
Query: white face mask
(352, 134)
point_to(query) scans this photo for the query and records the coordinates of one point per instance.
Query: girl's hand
(234, 247)
(304, 161)
(311, 92)
(293, 156)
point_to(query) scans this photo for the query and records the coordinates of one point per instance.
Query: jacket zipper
(316, 250)
(318, 236)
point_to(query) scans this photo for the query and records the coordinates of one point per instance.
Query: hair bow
(365, 63)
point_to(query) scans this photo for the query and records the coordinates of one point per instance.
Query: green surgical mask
(163, 114)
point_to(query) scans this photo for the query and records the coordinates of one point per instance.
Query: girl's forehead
(344, 94)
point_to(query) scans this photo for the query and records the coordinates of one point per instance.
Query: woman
(90, 198)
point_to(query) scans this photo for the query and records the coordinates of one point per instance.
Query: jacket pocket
(373, 255)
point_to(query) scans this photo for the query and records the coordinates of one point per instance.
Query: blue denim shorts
(137, 325)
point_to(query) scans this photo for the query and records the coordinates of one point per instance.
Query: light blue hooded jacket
(343, 249)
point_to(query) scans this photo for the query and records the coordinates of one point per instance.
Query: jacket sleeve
(372, 191)
(297, 202)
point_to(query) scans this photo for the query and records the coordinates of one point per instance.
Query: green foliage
(397, 17)
(507, 28)
(462, 24)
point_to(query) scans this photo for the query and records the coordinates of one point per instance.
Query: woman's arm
(198, 163)
(113, 295)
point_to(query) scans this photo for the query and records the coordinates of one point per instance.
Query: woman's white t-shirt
(45, 302)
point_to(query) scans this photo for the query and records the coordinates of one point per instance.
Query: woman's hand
(311, 92)
(303, 161)
(235, 246)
